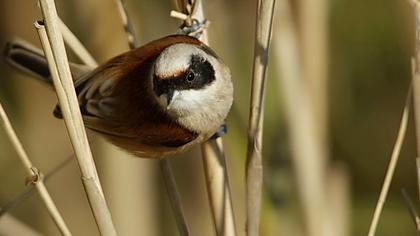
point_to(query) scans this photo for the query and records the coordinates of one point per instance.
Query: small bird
(156, 100)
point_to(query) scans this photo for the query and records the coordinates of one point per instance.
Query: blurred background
(369, 49)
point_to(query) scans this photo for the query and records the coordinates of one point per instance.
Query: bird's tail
(29, 59)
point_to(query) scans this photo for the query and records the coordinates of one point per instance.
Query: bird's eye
(190, 76)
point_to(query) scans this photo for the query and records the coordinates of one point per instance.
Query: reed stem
(214, 162)
(53, 45)
(254, 167)
(34, 175)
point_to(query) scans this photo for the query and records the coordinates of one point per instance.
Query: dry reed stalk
(412, 210)
(29, 190)
(10, 225)
(391, 167)
(53, 45)
(174, 197)
(164, 163)
(214, 162)
(403, 126)
(416, 70)
(133, 200)
(218, 187)
(128, 27)
(34, 175)
(254, 167)
(314, 38)
(418, 175)
(339, 199)
(306, 149)
(416, 83)
(314, 65)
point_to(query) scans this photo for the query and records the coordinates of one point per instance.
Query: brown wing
(115, 99)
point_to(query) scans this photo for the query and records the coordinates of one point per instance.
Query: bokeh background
(370, 44)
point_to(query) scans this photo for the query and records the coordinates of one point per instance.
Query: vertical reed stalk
(34, 174)
(215, 170)
(218, 187)
(314, 50)
(254, 167)
(339, 199)
(164, 163)
(314, 33)
(314, 44)
(418, 176)
(314, 38)
(307, 155)
(416, 83)
(53, 45)
(174, 197)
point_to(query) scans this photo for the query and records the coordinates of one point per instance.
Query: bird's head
(192, 85)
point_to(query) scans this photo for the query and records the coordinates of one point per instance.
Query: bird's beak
(169, 97)
(166, 99)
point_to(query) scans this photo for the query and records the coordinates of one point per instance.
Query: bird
(153, 101)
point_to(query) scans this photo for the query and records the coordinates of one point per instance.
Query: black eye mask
(199, 74)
